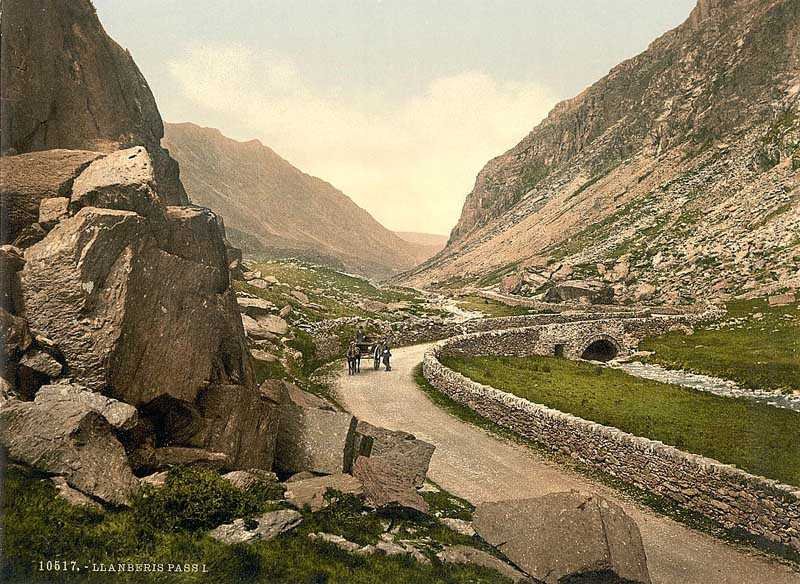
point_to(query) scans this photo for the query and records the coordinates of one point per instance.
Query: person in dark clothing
(377, 353)
(360, 336)
(387, 354)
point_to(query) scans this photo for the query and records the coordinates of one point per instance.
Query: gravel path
(480, 467)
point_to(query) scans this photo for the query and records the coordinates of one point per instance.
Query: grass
(755, 351)
(758, 438)
(172, 528)
(491, 307)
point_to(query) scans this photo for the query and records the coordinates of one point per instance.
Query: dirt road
(477, 466)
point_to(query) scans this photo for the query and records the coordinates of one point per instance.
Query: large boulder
(406, 454)
(261, 528)
(131, 319)
(59, 435)
(384, 487)
(11, 262)
(238, 422)
(67, 84)
(311, 492)
(565, 537)
(312, 438)
(580, 291)
(29, 179)
(120, 415)
(122, 180)
(463, 554)
(148, 460)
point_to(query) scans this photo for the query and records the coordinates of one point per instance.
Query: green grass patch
(490, 307)
(172, 528)
(758, 438)
(755, 351)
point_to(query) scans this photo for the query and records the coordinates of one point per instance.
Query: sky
(397, 103)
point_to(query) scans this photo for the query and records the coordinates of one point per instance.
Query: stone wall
(720, 492)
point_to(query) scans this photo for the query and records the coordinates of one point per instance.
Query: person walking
(387, 354)
(377, 353)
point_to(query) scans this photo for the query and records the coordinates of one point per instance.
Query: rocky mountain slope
(73, 87)
(271, 206)
(675, 176)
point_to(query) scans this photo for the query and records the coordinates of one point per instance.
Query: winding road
(478, 466)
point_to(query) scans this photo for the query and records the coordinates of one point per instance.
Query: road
(479, 466)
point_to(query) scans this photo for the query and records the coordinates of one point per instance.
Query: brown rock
(11, 262)
(239, 423)
(385, 487)
(52, 210)
(781, 299)
(73, 496)
(244, 479)
(407, 455)
(41, 362)
(264, 528)
(315, 440)
(565, 536)
(300, 476)
(29, 235)
(78, 89)
(312, 491)
(14, 334)
(155, 459)
(123, 180)
(120, 310)
(29, 179)
(60, 436)
(255, 307)
(120, 415)
(157, 479)
(462, 554)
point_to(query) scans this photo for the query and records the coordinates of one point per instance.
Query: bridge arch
(600, 348)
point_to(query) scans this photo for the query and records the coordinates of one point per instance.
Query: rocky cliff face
(67, 84)
(271, 206)
(681, 164)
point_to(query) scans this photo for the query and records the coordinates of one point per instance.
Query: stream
(715, 385)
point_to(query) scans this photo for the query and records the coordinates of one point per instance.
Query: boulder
(42, 363)
(52, 210)
(581, 291)
(120, 309)
(29, 179)
(238, 422)
(644, 291)
(73, 496)
(314, 439)
(196, 234)
(311, 492)
(565, 536)
(300, 476)
(407, 455)
(264, 328)
(122, 180)
(462, 554)
(300, 296)
(781, 299)
(259, 283)
(255, 307)
(384, 487)
(261, 528)
(29, 235)
(148, 460)
(157, 479)
(337, 540)
(285, 311)
(512, 283)
(120, 415)
(244, 479)
(260, 355)
(65, 437)
(67, 84)
(14, 333)
(11, 262)
(459, 526)
(251, 275)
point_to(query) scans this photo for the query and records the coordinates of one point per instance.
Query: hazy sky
(399, 104)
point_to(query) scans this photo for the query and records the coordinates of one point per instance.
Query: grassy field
(491, 307)
(755, 345)
(757, 438)
(170, 525)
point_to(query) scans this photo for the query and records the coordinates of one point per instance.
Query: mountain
(66, 84)
(272, 207)
(679, 169)
(429, 243)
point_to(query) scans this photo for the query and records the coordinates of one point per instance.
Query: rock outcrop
(684, 158)
(67, 84)
(563, 537)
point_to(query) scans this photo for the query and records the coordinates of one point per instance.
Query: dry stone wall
(725, 494)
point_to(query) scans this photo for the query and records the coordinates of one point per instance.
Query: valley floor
(478, 466)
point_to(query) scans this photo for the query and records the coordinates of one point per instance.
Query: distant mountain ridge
(272, 207)
(429, 243)
(681, 165)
